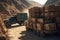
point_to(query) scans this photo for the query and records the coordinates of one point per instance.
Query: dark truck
(19, 18)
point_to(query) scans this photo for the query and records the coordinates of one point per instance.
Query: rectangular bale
(50, 15)
(39, 27)
(34, 12)
(49, 8)
(47, 21)
(33, 20)
(41, 20)
(26, 23)
(50, 27)
(31, 25)
(34, 26)
(57, 8)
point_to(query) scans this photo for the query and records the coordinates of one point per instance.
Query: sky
(40, 1)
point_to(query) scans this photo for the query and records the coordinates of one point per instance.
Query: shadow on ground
(30, 36)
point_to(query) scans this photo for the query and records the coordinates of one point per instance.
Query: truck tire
(7, 23)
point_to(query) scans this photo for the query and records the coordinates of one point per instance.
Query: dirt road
(19, 33)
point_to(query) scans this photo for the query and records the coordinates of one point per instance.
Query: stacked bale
(44, 20)
(49, 19)
(40, 27)
(50, 8)
(50, 28)
(26, 23)
(34, 14)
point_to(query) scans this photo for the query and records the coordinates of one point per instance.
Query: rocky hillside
(33, 3)
(52, 2)
(12, 7)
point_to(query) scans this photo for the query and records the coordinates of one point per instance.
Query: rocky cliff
(12, 7)
(52, 2)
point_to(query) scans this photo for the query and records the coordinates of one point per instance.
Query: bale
(41, 21)
(34, 26)
(39, 27)
(50, 27)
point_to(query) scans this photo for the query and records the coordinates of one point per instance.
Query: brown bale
(30, 25)
(48, 21)
(57, 8)
(42, 9)
(34, 26)
(46, 8)
(50, 27)
(29, 20)
(26, 23)
(49, 8)
(50, 15)
(33, 20)
(41, 21)
(39, 27)
(35, 11)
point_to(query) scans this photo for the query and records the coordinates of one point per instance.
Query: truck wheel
(8, 25)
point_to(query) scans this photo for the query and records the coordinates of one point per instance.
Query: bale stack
(49, 12)
(44, 20)
(34, 17)
(49, 19)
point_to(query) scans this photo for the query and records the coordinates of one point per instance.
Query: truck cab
(19, 18)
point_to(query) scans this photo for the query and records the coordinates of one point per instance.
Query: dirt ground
(19, 33)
